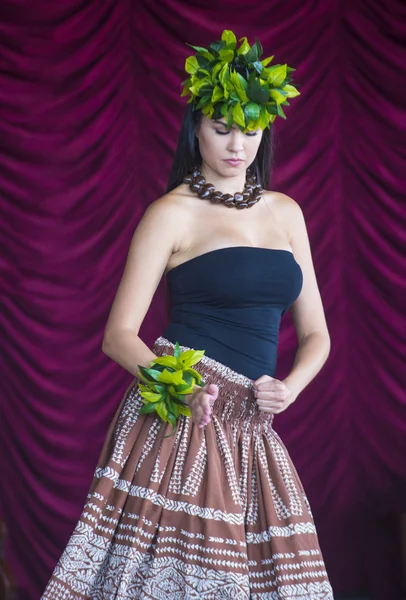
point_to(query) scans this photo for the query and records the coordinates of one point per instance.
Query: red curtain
(90, 112)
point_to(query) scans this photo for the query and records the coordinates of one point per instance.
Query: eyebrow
(221, 123)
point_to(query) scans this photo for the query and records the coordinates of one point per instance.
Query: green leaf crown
(233, 83)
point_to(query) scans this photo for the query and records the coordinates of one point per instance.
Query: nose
(235, 141)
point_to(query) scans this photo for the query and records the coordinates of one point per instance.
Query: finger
(206, 401)
(271, 396)
(273, 405)
(212, 389)
(262, 379)
(205, 421)
(270, 410)
(270, 385)
(201, 409)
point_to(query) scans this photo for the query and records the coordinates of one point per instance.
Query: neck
(226, 185)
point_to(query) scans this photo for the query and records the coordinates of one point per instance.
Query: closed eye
(227, 132)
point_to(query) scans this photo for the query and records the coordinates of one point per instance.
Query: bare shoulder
(283, 204)
(169, 213)
(170, 205)
(286, 211)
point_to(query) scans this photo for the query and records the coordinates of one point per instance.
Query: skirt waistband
(236, 402)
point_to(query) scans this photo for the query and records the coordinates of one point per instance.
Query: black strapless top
(229, 302)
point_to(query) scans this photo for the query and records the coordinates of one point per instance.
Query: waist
(236, 403)
(244, 351)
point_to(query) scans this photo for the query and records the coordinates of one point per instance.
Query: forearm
(311, 355)
(127, 349)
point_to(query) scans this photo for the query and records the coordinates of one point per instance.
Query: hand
(200, 403)
(272, 395)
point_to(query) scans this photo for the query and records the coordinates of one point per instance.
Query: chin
(233, 168)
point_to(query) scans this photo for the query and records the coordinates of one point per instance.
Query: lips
(234, 161)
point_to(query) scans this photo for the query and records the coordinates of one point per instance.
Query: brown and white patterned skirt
(212, 513)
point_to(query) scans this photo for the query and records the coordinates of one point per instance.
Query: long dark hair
(187, 155)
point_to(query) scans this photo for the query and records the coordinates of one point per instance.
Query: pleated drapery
(90, 111)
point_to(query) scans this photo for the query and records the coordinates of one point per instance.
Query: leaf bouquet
(165, 384)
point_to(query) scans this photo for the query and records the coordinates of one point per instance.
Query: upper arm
(307, 311)
(153, 242)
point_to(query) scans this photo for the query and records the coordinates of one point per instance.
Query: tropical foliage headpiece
(233, 83)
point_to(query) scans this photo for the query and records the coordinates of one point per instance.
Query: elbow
(323, 341)
(327, 345)
(108, 344)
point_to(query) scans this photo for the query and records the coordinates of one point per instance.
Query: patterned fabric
(216, 513)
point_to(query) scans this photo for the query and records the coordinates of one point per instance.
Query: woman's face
(227, 152)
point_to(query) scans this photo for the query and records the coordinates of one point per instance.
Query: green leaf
(252, 54)
(271, 108)
(184, 410)
(190, 357)
(166, 361)
(224, 74)
(239, 89)
(148, 408)
(206, 89)
(162, 411)
(256, 92)
(171, 434)
(291, 90)
(195, 374)
(204, 63)
(245, 47)
(177, 351)
(217, 111)
(280, 111)
(259, 47)
(277, 75)
(264, 117)
(253, 125)
(172, 419)
(197, 48)
(266, 61)
(217, 94)
(149, 374)
(203, 100)
(216, 69)
(171, 406)
(151, 396)
(184, 390)
(242, 80)
(226, 55)
(172, 392)
(191, 65)
(252, 111)
(202, 74)
(229, 38)
(238, 115)
(208, 110)
(217, 46)
(277, 96)
(171, 378)
(180, 399)
(258, 66)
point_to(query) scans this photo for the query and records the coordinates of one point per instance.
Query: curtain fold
(90, 113)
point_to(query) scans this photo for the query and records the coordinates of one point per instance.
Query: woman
(216, 510)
